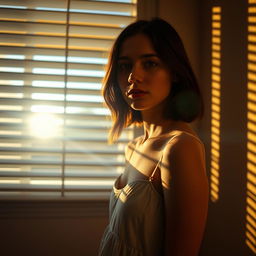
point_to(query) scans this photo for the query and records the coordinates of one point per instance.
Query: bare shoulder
(184, 139)
(184, 143)
(183, 157)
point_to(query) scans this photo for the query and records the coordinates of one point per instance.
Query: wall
(226, 227)
(225, 234)
(184, 17)
(62, 228)
(51, 228)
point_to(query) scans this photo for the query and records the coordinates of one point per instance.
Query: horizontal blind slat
(19, 126)
(30, 188)
(110, 7)
(52, 150)
(75, 116)
(92, 175)
(31, 77)
(60, 138)
(30, 90)
(26, 102)
(35, 4)
(29, 52)
(54, 163)
(31, 65)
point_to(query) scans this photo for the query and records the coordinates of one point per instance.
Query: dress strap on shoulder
(158, 163)
(160, 160)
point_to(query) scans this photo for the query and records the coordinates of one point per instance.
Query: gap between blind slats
(57, 139)
(35, 188)
(30, 89)
(18, 126)
(58, 163)
(23, 174)
(77, 116)
(51, 150)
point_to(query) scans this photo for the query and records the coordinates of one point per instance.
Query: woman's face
(143, 78)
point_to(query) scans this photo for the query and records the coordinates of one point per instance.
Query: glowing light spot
(45, 125)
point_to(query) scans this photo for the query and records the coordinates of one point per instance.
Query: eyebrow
(143, 56)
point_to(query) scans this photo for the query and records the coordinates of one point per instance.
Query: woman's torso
(136, 205)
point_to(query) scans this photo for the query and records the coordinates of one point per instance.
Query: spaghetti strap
(160, 160)
(154, 171)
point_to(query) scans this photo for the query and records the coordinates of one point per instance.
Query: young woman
(158, 206)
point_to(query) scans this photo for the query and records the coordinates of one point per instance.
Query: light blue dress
(136, 226)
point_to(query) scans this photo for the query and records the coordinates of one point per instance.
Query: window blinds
(53, 125)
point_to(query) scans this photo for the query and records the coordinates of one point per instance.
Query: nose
(135, 76)
(130, 78)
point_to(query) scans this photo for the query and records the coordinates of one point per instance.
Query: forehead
(136, 45)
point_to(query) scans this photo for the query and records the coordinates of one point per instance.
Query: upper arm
(185, 187)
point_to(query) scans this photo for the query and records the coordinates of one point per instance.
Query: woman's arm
(185, 187)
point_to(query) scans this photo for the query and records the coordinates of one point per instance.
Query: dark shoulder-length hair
(185, 101)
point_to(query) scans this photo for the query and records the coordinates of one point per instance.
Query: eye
(150, 64)
(124, 66)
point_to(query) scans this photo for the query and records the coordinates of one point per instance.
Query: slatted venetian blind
(53, 125)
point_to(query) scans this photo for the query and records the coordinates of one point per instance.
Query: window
(53, 125)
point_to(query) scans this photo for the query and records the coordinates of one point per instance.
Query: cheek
(163, 81)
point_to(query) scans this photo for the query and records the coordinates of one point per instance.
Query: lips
(134, 93)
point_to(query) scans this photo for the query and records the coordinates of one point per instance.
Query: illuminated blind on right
(250, 231)
(215, 101)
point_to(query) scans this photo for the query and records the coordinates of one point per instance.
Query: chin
(140, 107)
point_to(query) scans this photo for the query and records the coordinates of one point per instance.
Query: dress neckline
(118, 191)
(129, 183)
(150, 178)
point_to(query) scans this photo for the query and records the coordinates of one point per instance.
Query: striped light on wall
(250, 230)
(215, 101)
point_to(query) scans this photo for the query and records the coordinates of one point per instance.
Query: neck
(156, 125)
(158, 128)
